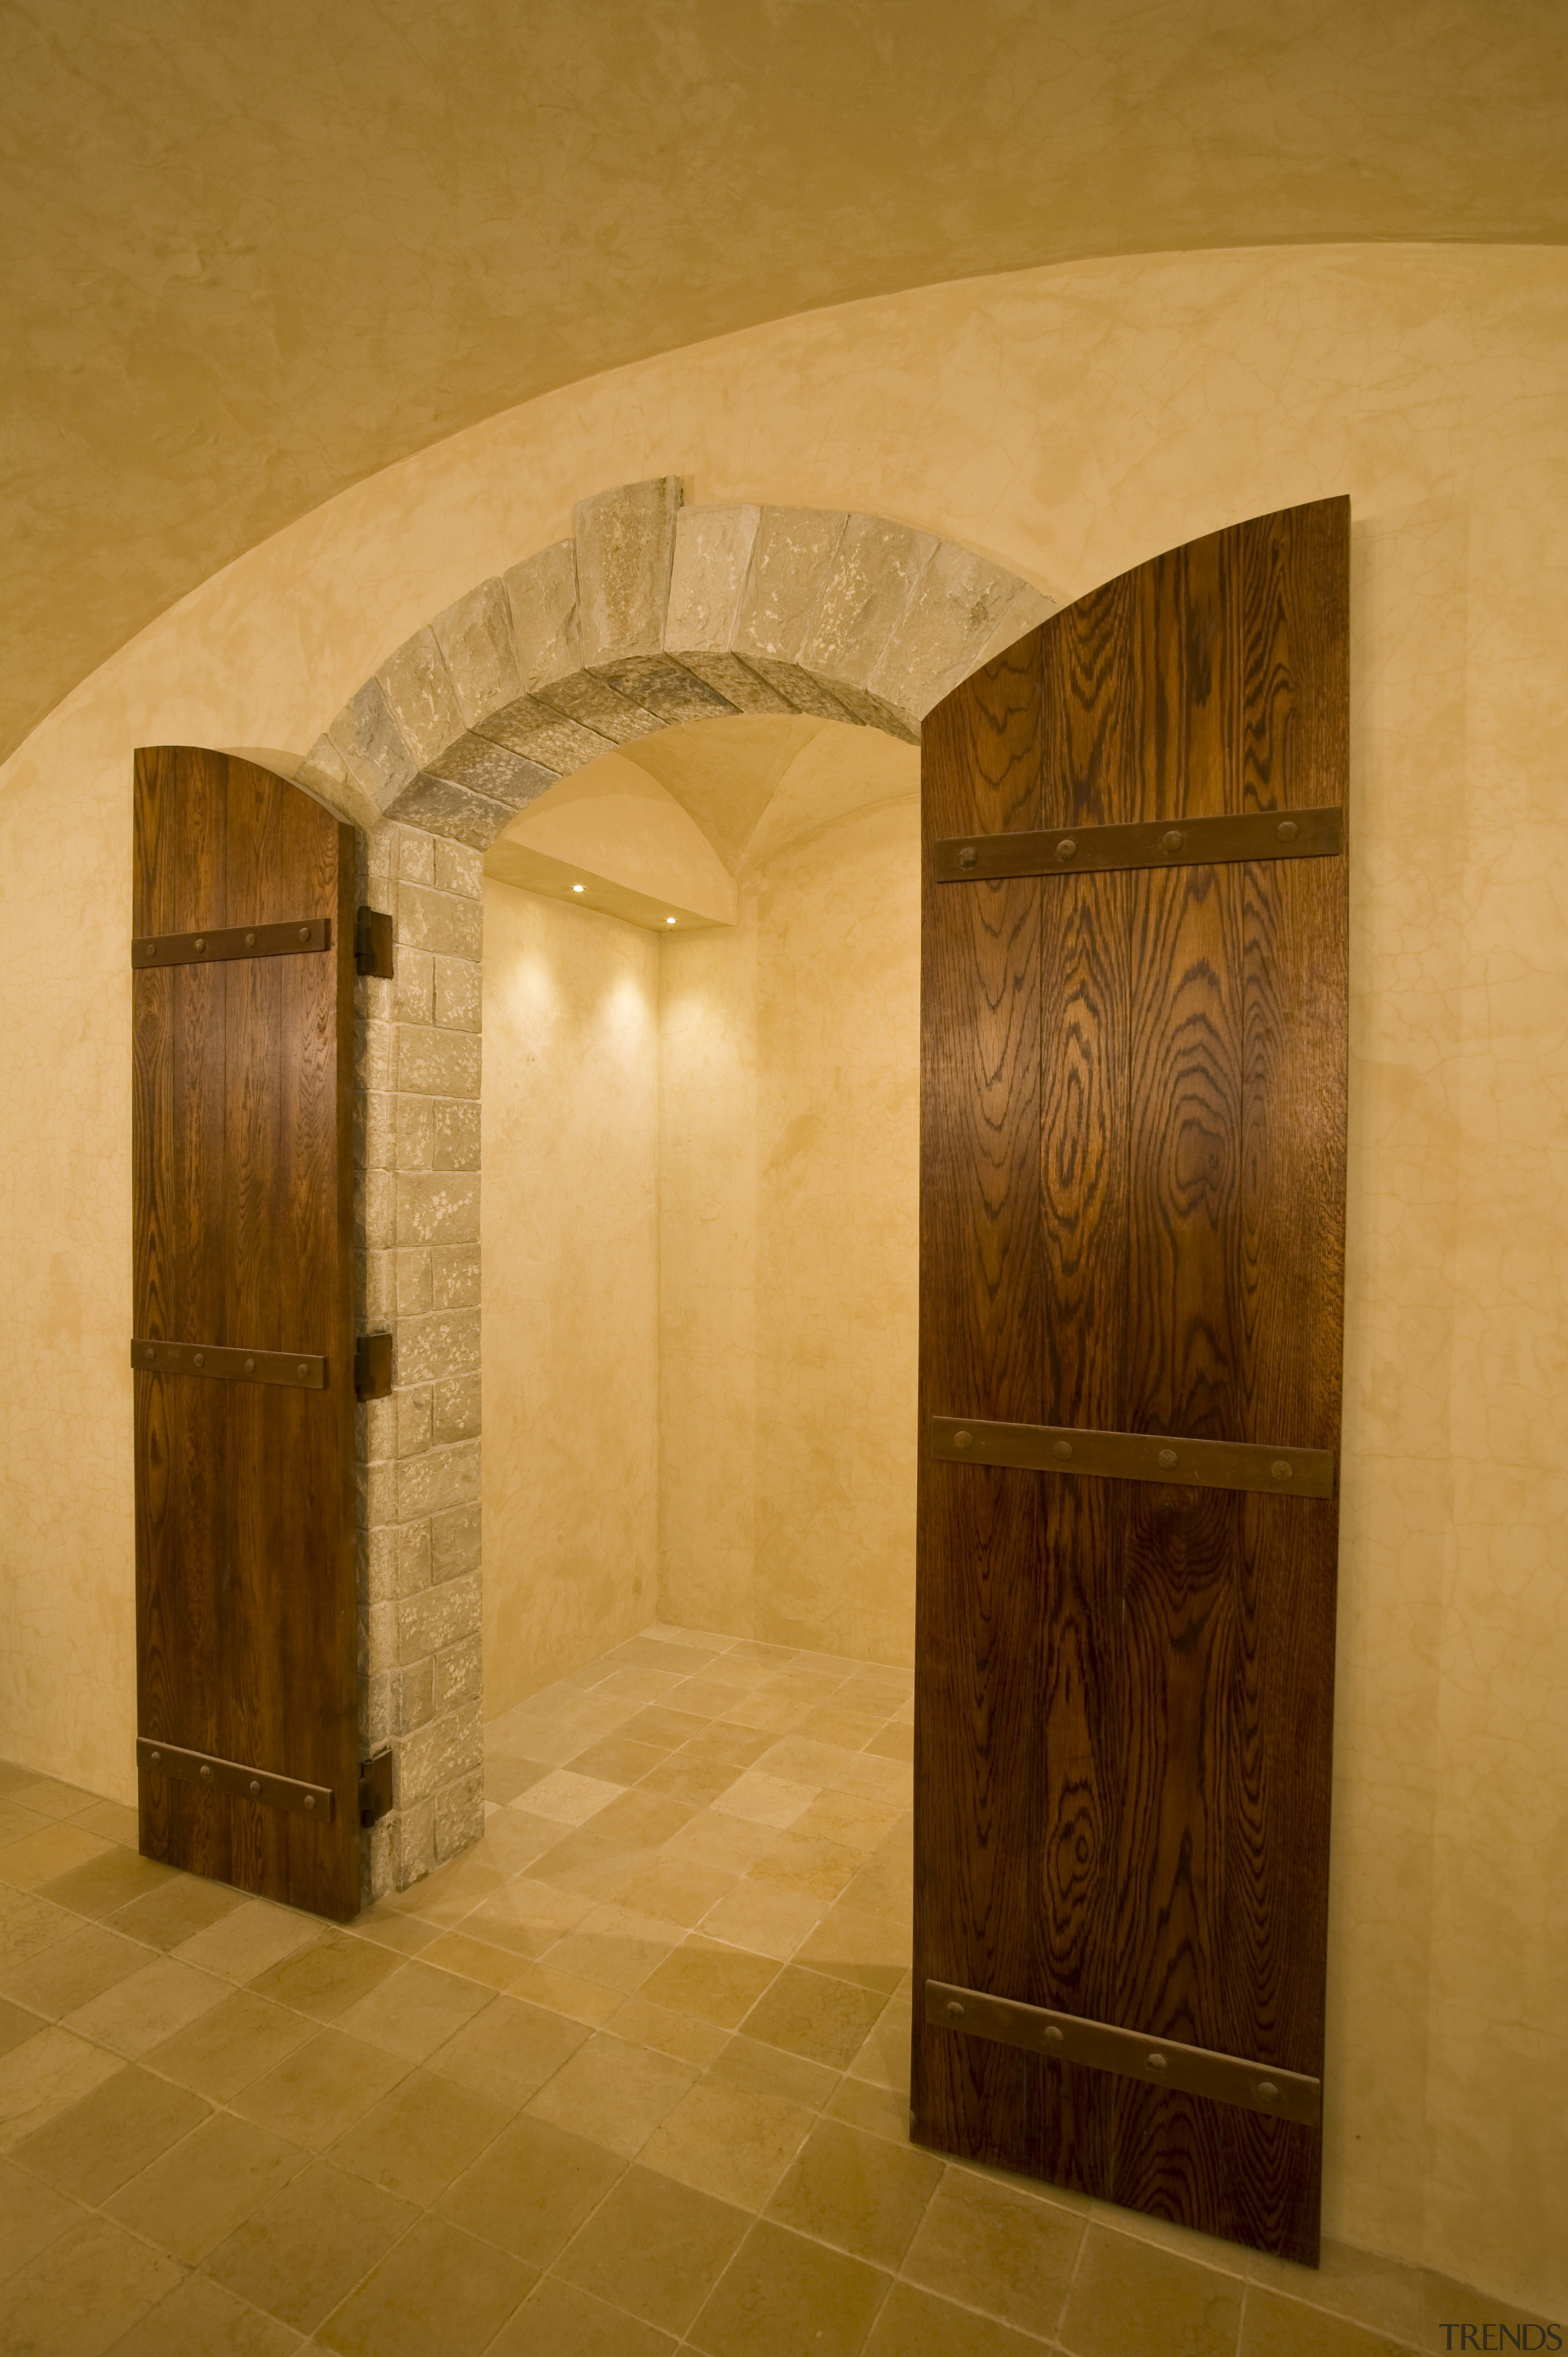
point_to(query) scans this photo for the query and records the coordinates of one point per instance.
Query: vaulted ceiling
(249, 255)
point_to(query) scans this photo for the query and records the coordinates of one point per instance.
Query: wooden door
(246, 1628)
(1130, 1303)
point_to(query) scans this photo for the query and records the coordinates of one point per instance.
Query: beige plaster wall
(570, 1252)
(789, 1230)
(1067, 423)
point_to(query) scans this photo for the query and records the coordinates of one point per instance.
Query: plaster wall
(1066, 423)
(568, 1237)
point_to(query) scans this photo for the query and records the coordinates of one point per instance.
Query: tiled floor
(629, 2076)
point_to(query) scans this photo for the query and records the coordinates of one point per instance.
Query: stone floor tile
(28, 1925)
(803, 1759)
(43, 2076)
(74, 1970)
(438, 2293)
(810, 2014)
(782, 2294)
(616, 1758)
(996, 2250)
(641, 2023)
(747, 2063)
(1444, 2301)
(106, 1882)
(325, 1978)
(1274, 2325)
(32, 2215)
(595, 1869)
(41, 1857)
(167, 1916)
(507, 1774)
(721, 1744)
(321, 2088)
(654, 2247)
(77, 2297)
(885, 2057)
(916, 2323)
(615, 1946)
(677, 1890)
(195, 2194)
(849, 1730)
(880, 2110)
(730, 1844)
(114, 1820)
(93, 2146)
(200, 2319)
(304, 2251)
(139, 2012)
(421, 2136)
(766, 1800)
(717, 1983)
(586, 2001)
(569, 1797)
(472, 1959)
(873, 1951)
(645, 1818)
(897, 1741)
(414, 2010)
(859, 1820)
(662, 1727)
(809, 1864)
(1129, 2298)
(510, 2050)
(248, 1939)
(1204, 2250)
(527, 1916)
(532, 2189)
(226, 2049)
(859, 2192)
(17, 2024)
(761, 1916)
(556, 2319)
(614, 2092)
(15, 1821)
(728, 2140)
(51, 1798)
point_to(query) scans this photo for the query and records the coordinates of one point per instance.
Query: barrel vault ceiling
(250, 255)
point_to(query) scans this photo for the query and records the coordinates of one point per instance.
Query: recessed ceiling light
(669, 921)
(576, 887)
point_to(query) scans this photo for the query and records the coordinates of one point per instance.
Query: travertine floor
(631, 2076)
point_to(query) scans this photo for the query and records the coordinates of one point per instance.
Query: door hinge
(373, 943)
(375, 1787)
(372, 1366)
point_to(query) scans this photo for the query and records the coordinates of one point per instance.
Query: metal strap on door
(1317, 834)
(1134, 1456)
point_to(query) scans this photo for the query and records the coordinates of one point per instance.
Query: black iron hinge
(375, 1787)
(373, 943)
(372, 1366)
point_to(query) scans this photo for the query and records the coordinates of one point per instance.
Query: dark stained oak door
(242, 1349)
(1131, 1224)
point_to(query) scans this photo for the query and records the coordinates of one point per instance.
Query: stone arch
(654, 615)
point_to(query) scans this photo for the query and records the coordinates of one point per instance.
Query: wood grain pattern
(1183, 1145)
(246, 1612)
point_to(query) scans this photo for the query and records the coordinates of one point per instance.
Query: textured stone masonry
(652, 615)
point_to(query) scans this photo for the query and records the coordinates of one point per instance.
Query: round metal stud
(1066, 847)
(256, 1786)
(963, 1441)
(955, 2011)
(1171, 841)
(968, 856)
(1266, 2092)
(1280, 1468)
(1287, 830)
(250, 1366)
(206, 1774)
(302, 1371)
(310, 1800)
(250, 940)
(156, 1757)
(1156, 2062)
(1167, 1457)
(1053, 2035)
(1061, 1448)
(304, 933)
(200, 943)
(201, 1357)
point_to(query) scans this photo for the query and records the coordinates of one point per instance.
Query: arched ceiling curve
(248, 256)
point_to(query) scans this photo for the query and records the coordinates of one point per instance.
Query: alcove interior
(699, 1114)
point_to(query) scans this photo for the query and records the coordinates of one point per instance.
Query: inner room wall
(569, 1238)
(789, 1227)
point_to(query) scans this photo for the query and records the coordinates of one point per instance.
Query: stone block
(410, 1423)
(869, 711)
(455, 1276)
(375, 1128)
(737, 682)
(439, 1618)
(413, 984)
(475, 637)
(440, 1752)
(415, 1837)
(542, 594)
(457, 1003)
(801, 691)
(439, 1480)
(413, 856)
(626, 546)
(376, 1290)
(545, 737)
(438, 1207)
(325, 773)
(707, 579)
(456, 1142)
(378, 1861)
(411, 1557)
(454, 1410)
(378, 1565)
(447, 922)
(377, 848)
(447, 808)
(459, 1815)
(375, 1713)
(454, 1543)
(372, 1054)
(458, 869)
(420, 696)
(789, 563)
(954, 612)
(414, 1296)
(366, 734)
(434, 1347)
(375, 1430)
(593, 703)
(1027, 611)
(438, 1063)
(876, 566)
(377, 1637)
(458, 1675)
(376, 1489)
(415, 1133)
(375, 1210)
(676, 696)
(412, 1696)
